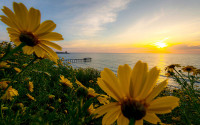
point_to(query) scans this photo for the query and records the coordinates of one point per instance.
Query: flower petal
(28, 50)
(124, 73)
(151, 80)
(112, 115)
(11, 16)
(49, 50)
(45, 27)
(138, 77)
(156, 91)
(122, 120)
(7, 21)
(13, 31)
(108, 89)
(163, 105)
(51, 44)
(52, 36)
(104, 109)
(34, 18)
(139, 122)
(40, 52)
(21, 13)
(111, 82)
(152, 118)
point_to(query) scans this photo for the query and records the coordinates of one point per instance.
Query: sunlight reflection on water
(113, 60)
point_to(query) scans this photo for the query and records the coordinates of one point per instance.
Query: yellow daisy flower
(171, 67)
(59, 100)
(65, 81)
(25, 27)
(103, 99)
(197, 71)
(30, 97)
(17, 70)
(4, 65)
(30, 86)
(134, 91)
(189, 69)
(80, 84)
(91, 92)
(51, 96)
(4, 84)
(10, 92)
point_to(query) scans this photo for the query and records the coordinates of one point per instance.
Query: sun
(160, 44)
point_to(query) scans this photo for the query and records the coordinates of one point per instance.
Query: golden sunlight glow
(160, 44)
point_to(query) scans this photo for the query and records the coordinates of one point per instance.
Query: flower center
(133, 109)
(28, 38)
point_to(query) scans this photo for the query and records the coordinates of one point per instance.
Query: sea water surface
(113, 60)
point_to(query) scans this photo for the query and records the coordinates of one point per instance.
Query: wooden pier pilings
(79, 60)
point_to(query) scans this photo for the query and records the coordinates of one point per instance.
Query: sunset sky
(120, 26)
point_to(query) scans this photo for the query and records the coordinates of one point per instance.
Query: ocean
(113, 60)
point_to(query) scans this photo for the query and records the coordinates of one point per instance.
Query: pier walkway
(79, 60)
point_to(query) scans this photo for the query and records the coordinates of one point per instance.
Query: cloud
(184, 48)
(91, 16)
(93, 46)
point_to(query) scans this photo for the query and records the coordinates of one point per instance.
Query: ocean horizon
(113, 60)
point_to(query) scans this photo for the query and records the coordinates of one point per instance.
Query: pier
(79, 60)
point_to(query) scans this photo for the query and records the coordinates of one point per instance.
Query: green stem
(189, 91)
(132, 121)
(1, 113)
(180, 76)
(32, 61)
(13, 51)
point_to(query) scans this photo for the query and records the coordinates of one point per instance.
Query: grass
(56, 103)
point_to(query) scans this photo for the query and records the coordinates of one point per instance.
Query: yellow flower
(27, 78)
(1, 55)
(31, 97)
(24, 26)
(188, 69)
(66, 111)
(171, 67)
(91, 109)
(92, 93)
(65, 81)
(4, 65)
(91, 81)
(197, 71)
(80, 84)
(59, 100)
(4, 84)
(134, 91)
(176, 118)
(24, 65)
(51, 96)
(10, 92)
(103, 99)
(17, 70)
(30, 86)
